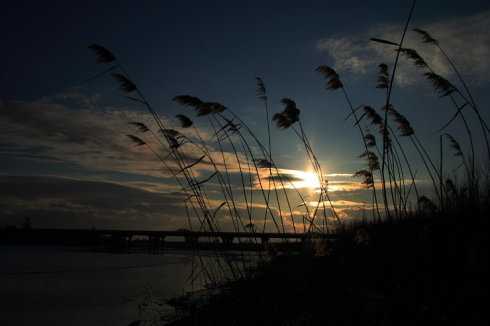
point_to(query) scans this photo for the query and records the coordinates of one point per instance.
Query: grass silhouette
(421, 257)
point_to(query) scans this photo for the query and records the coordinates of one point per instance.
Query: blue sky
(214, 50)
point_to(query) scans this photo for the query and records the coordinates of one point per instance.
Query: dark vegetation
(414, 271)
(419, 258)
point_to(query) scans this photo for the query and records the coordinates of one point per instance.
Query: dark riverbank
(409, 272)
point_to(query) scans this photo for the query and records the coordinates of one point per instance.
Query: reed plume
(202, 108)
(403, 125)
(385, 129)
(102, 54)
(333, 83)
(126, 85)
(367, 176)
(261, 91)
(331, 77)
(383, 76)
(370, 140)
(440, 84)
(413, 55)
(263, 163)
(138, 141)
(185, 122)
(372, 159)
(455, 145)
(383, 41)
(288, 116)
(141, 126)
(468, 97)
(426, 37)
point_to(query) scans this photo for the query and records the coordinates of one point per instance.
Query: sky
(65, 160)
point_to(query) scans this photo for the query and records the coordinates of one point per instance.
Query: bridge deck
(156, 240)
(182, 233)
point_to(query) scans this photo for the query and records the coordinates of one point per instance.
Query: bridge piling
(227, 240)
(191, 239)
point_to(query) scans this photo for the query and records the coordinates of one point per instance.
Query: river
(68, 286)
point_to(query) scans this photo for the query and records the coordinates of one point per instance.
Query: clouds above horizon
(63, 202)
(70, 128)
(465, 39)
(81, 135)
(72, 203)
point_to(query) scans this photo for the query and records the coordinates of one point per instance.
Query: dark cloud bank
(59, 202)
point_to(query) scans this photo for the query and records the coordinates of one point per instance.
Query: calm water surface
(68, 286)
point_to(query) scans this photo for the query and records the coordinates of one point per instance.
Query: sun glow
(304, 179)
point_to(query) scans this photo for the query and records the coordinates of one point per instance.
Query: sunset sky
(65, 160)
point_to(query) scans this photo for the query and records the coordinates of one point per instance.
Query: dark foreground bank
(409, 272)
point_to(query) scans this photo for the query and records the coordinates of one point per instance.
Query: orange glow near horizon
(304, 179)
(308, 180)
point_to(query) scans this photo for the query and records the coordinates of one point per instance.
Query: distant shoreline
(123, 241)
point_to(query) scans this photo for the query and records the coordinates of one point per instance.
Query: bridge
(157, 239)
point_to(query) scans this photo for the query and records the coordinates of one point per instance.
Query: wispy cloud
(299, 179)
(466, 39)
(90, 138)
(72, 128)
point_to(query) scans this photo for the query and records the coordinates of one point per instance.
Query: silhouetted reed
(233, 149)
(333, 83)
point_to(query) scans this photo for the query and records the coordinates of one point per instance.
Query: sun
(306, 179)
(290, 179)
(311, 180)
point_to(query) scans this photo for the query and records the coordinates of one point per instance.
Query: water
(67, 286)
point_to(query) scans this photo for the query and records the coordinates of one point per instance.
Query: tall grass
(232, 148)
(204, 163)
